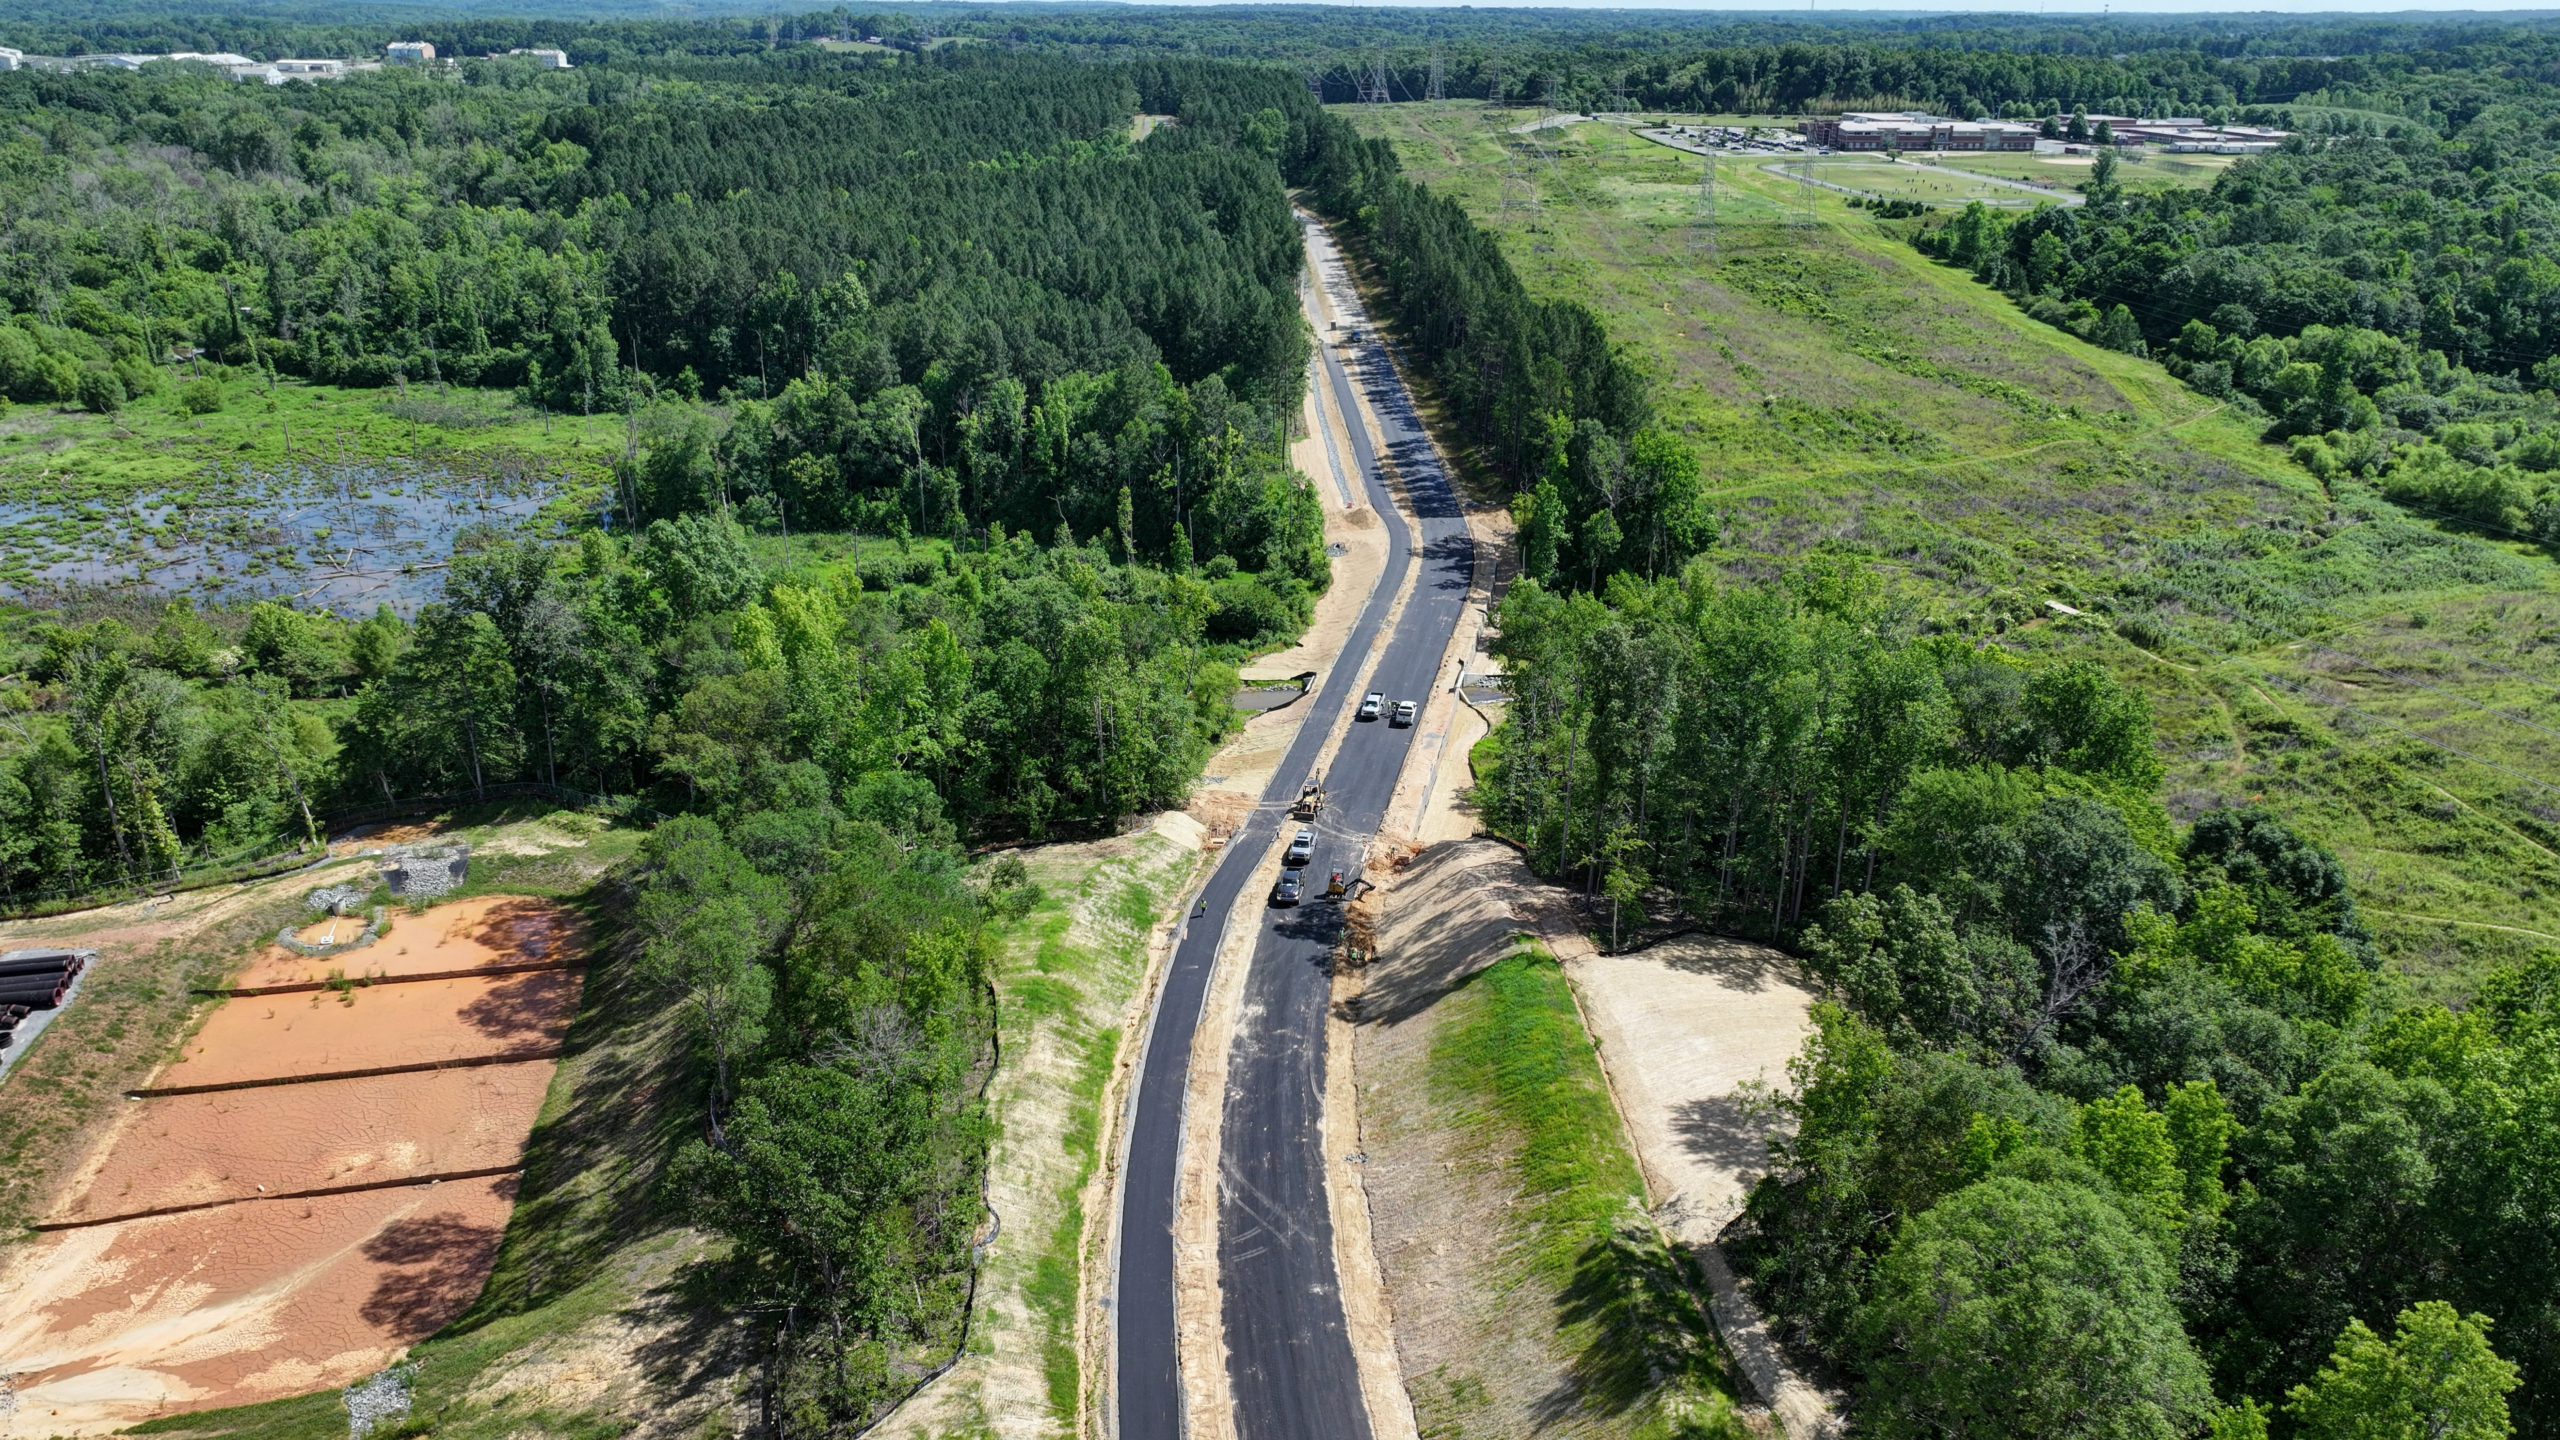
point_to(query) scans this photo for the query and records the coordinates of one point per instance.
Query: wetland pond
(345, 537)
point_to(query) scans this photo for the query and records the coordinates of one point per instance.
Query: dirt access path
(321, 1225)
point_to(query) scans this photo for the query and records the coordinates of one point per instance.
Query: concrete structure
(2184, 134)
(1914, 130)
(409, 52)
(11, 59)
(548, 59)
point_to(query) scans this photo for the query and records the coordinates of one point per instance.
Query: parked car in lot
(1404, 713)
(1302, 848)
(1292, 886)
(1369, 705)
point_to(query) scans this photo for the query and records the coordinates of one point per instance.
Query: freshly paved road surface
(1291, 1372)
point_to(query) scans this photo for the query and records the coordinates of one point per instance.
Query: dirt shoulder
(1528, 1292)
(1234, 777)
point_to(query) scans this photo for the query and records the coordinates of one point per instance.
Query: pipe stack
(10, 1015)
(39, 979)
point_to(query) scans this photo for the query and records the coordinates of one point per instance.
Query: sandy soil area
(1683, 1028)
(109, 1326)
(238, 1144)
(369, 1027)
(1689, 1030)
(467, 935)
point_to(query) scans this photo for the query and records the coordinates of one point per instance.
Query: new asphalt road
(1290, 1373)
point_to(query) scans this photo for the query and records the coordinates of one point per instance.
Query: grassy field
(2384, 680)
(1511, 1057)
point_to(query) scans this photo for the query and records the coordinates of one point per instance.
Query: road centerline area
(1292, 1373)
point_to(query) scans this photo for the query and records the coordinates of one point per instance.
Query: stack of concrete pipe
(39, 979)
(10, 1015)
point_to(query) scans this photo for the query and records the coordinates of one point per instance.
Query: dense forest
(2103, 1119)
(1099, 431)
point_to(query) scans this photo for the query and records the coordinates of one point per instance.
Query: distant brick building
(1913, 130)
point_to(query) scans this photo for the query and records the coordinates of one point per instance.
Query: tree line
(2107, 1127)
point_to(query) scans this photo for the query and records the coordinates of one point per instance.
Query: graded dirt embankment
(289, 1139)
(376, 1027)
(262, 1288)
(1686, 1031)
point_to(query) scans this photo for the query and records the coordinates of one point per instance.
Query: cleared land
(119, 1323)
(260, 1290)
(1845, 393)
(238, 1144)
(1531, 1294)
(472, 935)
(330, 1032)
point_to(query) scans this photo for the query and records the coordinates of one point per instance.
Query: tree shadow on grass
(621, 1104)
(1632, 1297)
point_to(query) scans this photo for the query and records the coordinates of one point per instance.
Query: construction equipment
(1310, 802)
(1334, 889)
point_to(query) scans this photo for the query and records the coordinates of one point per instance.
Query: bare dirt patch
(488, 930)
(369, 1027)
(267, 1289)
(1688, 1030)
(239, 1144)
(111, 1325)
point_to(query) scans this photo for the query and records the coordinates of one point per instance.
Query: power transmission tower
(1618, 91)
(1804, 193)
(1519, 183)
(1373, 90)
(1547, 111)
(1493, 86)
(1315, 83)
(1438, 86)
(1703, 237)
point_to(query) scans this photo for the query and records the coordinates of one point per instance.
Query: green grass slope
(2374, 675)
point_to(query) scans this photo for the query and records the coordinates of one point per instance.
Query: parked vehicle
(1291, 888)
(1404, 713)
(1369, 705)
(1303, 847)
